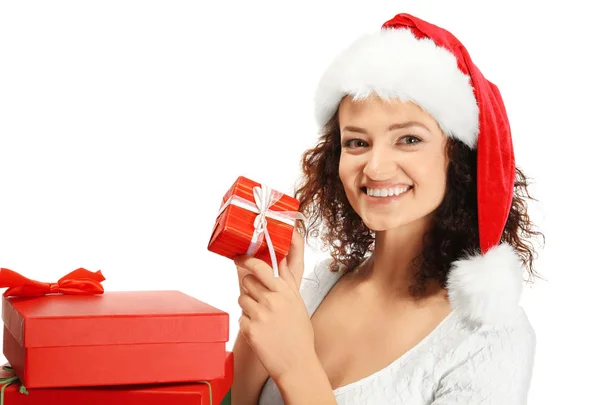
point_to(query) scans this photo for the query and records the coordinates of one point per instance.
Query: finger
(244, 325)
(254, 288)
(286, 274)
(295, 256)
(242, 319)
(248, 305)
(248, 331)
(260, 269)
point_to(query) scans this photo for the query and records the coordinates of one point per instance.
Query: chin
(379, 228)
(383, 224)
(379, 222)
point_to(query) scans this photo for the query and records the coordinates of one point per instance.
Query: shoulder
(316, 283)
(499, 342)
(491, 362)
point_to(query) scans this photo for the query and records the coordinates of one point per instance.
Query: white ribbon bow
(264, 199)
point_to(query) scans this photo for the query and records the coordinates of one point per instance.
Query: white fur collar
(486, 289)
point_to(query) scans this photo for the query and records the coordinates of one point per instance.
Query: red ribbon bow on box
(77, 282)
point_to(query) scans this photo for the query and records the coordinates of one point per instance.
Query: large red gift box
(198, 393)
(235, 226)
(116, 338)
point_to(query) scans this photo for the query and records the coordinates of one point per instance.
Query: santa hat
(413, 60)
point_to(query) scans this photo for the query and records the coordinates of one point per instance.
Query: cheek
(347, 169)
(343, 170)
(429, 173)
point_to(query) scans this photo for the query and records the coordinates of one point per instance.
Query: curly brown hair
(454, 231)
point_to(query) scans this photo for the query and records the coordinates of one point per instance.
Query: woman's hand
(294, 261)
(274, 319)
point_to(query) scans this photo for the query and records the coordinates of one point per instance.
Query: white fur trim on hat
(393, 63)
(486, 289)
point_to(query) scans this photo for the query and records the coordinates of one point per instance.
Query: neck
(392, 266)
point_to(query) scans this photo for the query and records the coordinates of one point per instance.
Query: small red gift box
(237, 229)
(199, 393)
(116, 338)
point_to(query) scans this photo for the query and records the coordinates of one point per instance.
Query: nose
(381, 164)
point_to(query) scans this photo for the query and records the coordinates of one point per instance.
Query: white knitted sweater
(479, 354)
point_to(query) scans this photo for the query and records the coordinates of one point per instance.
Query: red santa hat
(413, 60)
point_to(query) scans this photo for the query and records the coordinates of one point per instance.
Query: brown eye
(355, 143)
(410, 140)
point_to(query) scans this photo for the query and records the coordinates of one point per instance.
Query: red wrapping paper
(176, 394)
(234, 228)
(116, 338)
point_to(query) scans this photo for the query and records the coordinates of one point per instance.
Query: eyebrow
(390, 128)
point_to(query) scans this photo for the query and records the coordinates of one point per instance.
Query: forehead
(373, 108)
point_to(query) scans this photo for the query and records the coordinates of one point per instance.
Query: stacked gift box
(71, 342)
(139, 347)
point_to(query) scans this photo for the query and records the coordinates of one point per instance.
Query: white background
(123, 123)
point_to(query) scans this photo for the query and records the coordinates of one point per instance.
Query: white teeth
(387, 192)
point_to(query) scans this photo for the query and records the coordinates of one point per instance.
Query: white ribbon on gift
(264, 199)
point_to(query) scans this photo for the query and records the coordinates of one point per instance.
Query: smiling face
(393, 161)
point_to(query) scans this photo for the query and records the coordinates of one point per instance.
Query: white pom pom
(486, 289)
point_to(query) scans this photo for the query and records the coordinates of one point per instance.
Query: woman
(416, 189)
